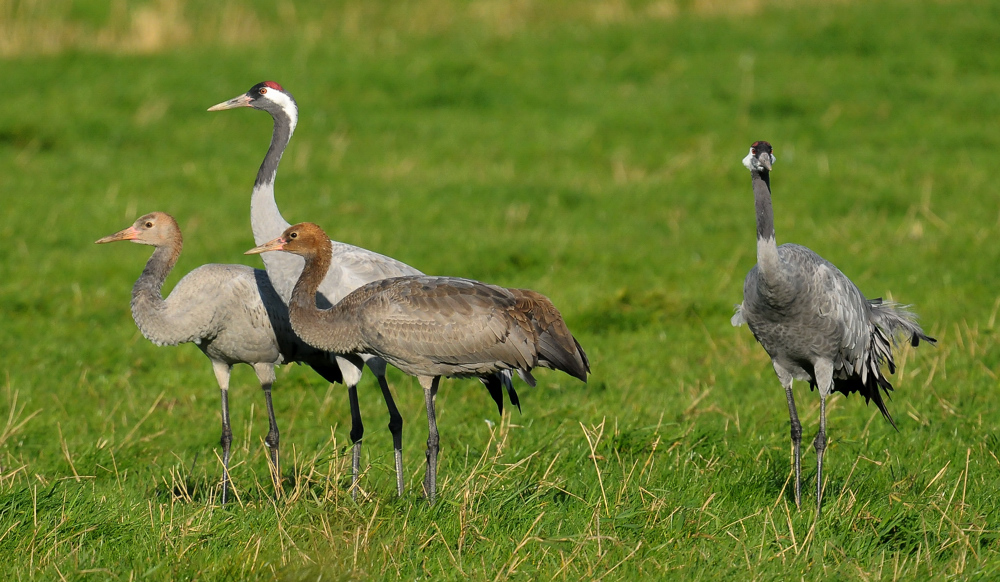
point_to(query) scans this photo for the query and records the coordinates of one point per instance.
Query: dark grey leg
(357, 433)
(222, 371)
(820, 444)
(430, 478)
(793, 416)
(265, 374)
(226, 441)
(271, 440)
(786, 382)
(396, 428)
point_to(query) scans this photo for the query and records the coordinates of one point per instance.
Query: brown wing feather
(447, 326)
(557, 347)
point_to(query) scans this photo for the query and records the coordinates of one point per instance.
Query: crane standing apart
(814, 322)
(429, 327)
(231, 312)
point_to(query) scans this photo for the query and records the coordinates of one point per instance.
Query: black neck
(762, 202)
(280, 137)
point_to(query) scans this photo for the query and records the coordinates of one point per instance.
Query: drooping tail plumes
(557, 348)
(895, 320)
(891, 321)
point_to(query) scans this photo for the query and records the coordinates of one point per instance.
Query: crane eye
(293, 235)
(149, 224)
(263, 90)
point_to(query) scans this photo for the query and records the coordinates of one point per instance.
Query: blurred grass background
(588, 150)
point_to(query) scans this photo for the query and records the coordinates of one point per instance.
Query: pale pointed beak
(765, 160)
(277, 244)
(241, 101)
(129, 233)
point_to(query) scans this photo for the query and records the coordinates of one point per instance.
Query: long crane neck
(266, 220)
(149, 310)
(767, 248)
(331, 330)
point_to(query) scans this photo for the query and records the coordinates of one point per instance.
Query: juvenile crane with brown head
(429, 327)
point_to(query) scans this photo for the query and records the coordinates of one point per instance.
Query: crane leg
(271, 440)
(222, 371)
(357, 433)
(396, 428)
(265, 373)
(226, 441)
(824, 382)
(796, 431)
(430, 385)
(820, 444)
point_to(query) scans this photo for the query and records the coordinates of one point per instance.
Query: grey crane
(231, 312)
(429, 327)
(814, 322)
(351, 268)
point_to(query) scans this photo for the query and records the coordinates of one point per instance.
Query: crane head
(155, 229)
(267, 95)
(304, 239)
(760, 158)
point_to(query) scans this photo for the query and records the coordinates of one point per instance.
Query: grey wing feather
(840, 302)
(869, 329)
(200, 304)
(218, 307)
(895, 320)
(351, 268)
(738, 319)
(839, 324)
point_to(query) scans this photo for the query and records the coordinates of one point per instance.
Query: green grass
(590, 151)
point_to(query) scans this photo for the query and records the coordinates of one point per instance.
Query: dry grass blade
(576, 148)
(593, 437)
(135, 427)
(15, 422)
(515, 559)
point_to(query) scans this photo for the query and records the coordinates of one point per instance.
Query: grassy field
(589, 150)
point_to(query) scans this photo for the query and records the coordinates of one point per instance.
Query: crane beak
(765, 160)
(241, 101)
(129, 233)
(277, 244)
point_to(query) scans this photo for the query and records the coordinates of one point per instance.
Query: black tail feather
(511, 393)
(495, 385)
(870, 390)
(492, 383)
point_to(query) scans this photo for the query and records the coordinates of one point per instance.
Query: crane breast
(810, 311)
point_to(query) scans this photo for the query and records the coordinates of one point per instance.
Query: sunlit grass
(587, 150)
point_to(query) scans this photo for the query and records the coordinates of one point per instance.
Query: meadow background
(590, 150)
